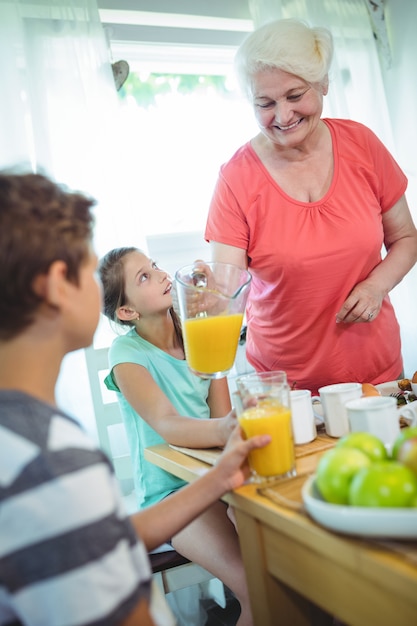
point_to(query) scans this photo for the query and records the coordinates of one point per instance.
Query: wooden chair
(172, 571)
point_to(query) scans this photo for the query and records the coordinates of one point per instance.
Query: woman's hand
(202, 278)
(362, 305)
(400, 238)
(232, 468)
(204, 295)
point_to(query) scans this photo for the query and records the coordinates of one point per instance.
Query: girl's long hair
(111, 272)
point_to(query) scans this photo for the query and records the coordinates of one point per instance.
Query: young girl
(163, 401)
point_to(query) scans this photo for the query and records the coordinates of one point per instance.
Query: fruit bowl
(394, 523)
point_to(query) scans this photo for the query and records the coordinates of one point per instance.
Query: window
(182, 110)
(183, 126)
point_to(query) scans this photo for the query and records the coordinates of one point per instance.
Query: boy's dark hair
(40, 222)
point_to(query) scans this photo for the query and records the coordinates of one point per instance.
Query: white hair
(289, 45)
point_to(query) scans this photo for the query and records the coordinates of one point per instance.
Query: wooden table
(293, 565)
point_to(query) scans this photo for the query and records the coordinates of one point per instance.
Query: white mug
(333, 399)
(302, 416)
(377, 415)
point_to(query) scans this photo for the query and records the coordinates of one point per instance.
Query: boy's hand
(232, 466)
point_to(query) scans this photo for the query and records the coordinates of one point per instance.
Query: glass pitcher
(212, 299)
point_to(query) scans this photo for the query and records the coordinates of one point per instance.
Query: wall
(400, 83)
(211, 22)
(401, 93)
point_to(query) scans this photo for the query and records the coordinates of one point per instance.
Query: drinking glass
(262, 404)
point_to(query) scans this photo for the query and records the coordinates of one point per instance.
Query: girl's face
(147, 287)
(287, 108)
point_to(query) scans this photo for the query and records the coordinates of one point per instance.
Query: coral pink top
(305, 258)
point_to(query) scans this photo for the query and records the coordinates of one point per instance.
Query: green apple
(406, 433)
(365, 442)
(407, 453)
(384, 484)
(335, 470)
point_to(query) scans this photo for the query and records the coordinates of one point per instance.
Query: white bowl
(394, 523)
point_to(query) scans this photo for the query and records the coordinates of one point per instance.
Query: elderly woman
(307, 205)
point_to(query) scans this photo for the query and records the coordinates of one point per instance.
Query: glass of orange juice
(212, 299)
(262, 405)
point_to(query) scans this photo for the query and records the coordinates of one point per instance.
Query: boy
(68, 552)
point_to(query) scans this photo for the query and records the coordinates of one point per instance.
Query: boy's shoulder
(30, 417)
(30, 430)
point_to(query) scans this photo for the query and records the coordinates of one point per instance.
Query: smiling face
(147, 287)
(287, 108)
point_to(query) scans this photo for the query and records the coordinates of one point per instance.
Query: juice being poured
(211, 342)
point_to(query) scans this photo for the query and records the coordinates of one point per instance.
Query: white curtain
(401, 95)
(59, 111)
(369, 83)
(60, 115)
(56, 73)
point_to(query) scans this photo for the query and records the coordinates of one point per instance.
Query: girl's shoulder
(129, 347)
(127, 337)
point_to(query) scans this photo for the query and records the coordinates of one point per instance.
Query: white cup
(414, 388)
(302, 416)
(377, 415)
(333, 399)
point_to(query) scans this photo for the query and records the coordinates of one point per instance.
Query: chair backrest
(110, 428)
(171, 571)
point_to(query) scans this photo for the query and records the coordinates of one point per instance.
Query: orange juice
(211, 342)
(270, 417)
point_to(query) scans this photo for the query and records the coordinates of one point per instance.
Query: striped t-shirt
(68, 553)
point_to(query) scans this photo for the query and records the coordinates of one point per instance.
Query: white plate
(207, 455)
(386, 389)
(407, 411)
(392, 523)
